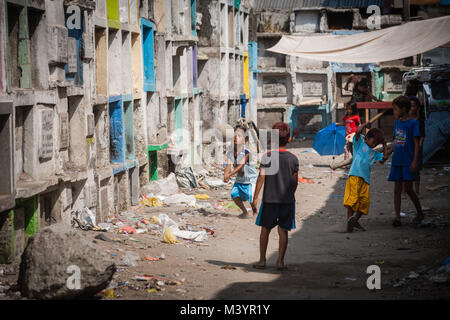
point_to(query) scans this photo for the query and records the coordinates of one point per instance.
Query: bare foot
(260, 264)
(243, 216)
(281, 266)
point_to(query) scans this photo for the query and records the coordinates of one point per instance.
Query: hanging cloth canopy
(388, 44)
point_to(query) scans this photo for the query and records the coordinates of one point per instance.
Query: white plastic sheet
(388, 44)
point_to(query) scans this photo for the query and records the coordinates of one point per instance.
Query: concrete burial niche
(147, 32)
(74, 66)
(18, 47)
(129, 129)
(101, 58)
(126, 78)
(7, 185)
(114, 62)
(77, 125)
(38, 48)
(116, 138)
(101, 120)
(136, 65)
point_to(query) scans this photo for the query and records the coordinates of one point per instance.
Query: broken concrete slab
(60, 263)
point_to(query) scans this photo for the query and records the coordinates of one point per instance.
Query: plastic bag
(186, 178)
(130, 259)
(180, 198)
(151, 202)
(169, 236)
(165, 187)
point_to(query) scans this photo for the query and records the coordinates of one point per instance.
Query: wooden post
(367, 119)
(406, 11)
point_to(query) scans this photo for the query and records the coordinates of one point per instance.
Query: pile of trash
(438, 276)
(161, 225)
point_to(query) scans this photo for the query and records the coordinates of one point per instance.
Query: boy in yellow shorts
(357, 197)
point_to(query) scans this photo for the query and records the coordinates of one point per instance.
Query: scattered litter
(152, 290)
(84, 219)
(128, 230)
(181, 290)
(109, 293)
(214, 183)
(434, 188)
(305, 180)
(138, 231)
(169, 236)
(162, 256)
(130, 258)
(228, 267)
(105, 226)
(151, 202)
(438, 279)
(179, 198)
(186, 178)
(350, 279)
(209, 230)
(413, 275)
(402, 214)
(151, 259)
(171, 231)
(203, 196)
(101, 236)
(399, 283)
(164, 187)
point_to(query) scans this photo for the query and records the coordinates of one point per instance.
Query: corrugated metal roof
(292, 4)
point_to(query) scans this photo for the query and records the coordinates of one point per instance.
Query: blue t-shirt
(363, 159)
(404, 133)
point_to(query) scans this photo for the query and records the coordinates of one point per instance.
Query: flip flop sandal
(282, 268)
(351, 223)
(258, 266)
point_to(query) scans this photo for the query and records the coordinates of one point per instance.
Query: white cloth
(369, 47)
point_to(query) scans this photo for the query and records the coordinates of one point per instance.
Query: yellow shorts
(357, 195)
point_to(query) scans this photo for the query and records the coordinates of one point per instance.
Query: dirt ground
(324, 262)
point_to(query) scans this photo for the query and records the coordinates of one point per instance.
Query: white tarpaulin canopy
(369, 47)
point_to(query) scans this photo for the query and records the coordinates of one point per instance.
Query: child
(405, 161)
(361, 92)
(417, 114)
(357, 196)
(246, 174)
(279, 175)
(351, 121)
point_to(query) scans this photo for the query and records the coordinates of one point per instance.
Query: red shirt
(351, 123)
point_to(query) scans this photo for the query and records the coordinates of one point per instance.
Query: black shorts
(272, 214)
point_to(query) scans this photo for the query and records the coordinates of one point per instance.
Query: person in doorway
(279, 176)
(361, 92)
(240, 158)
